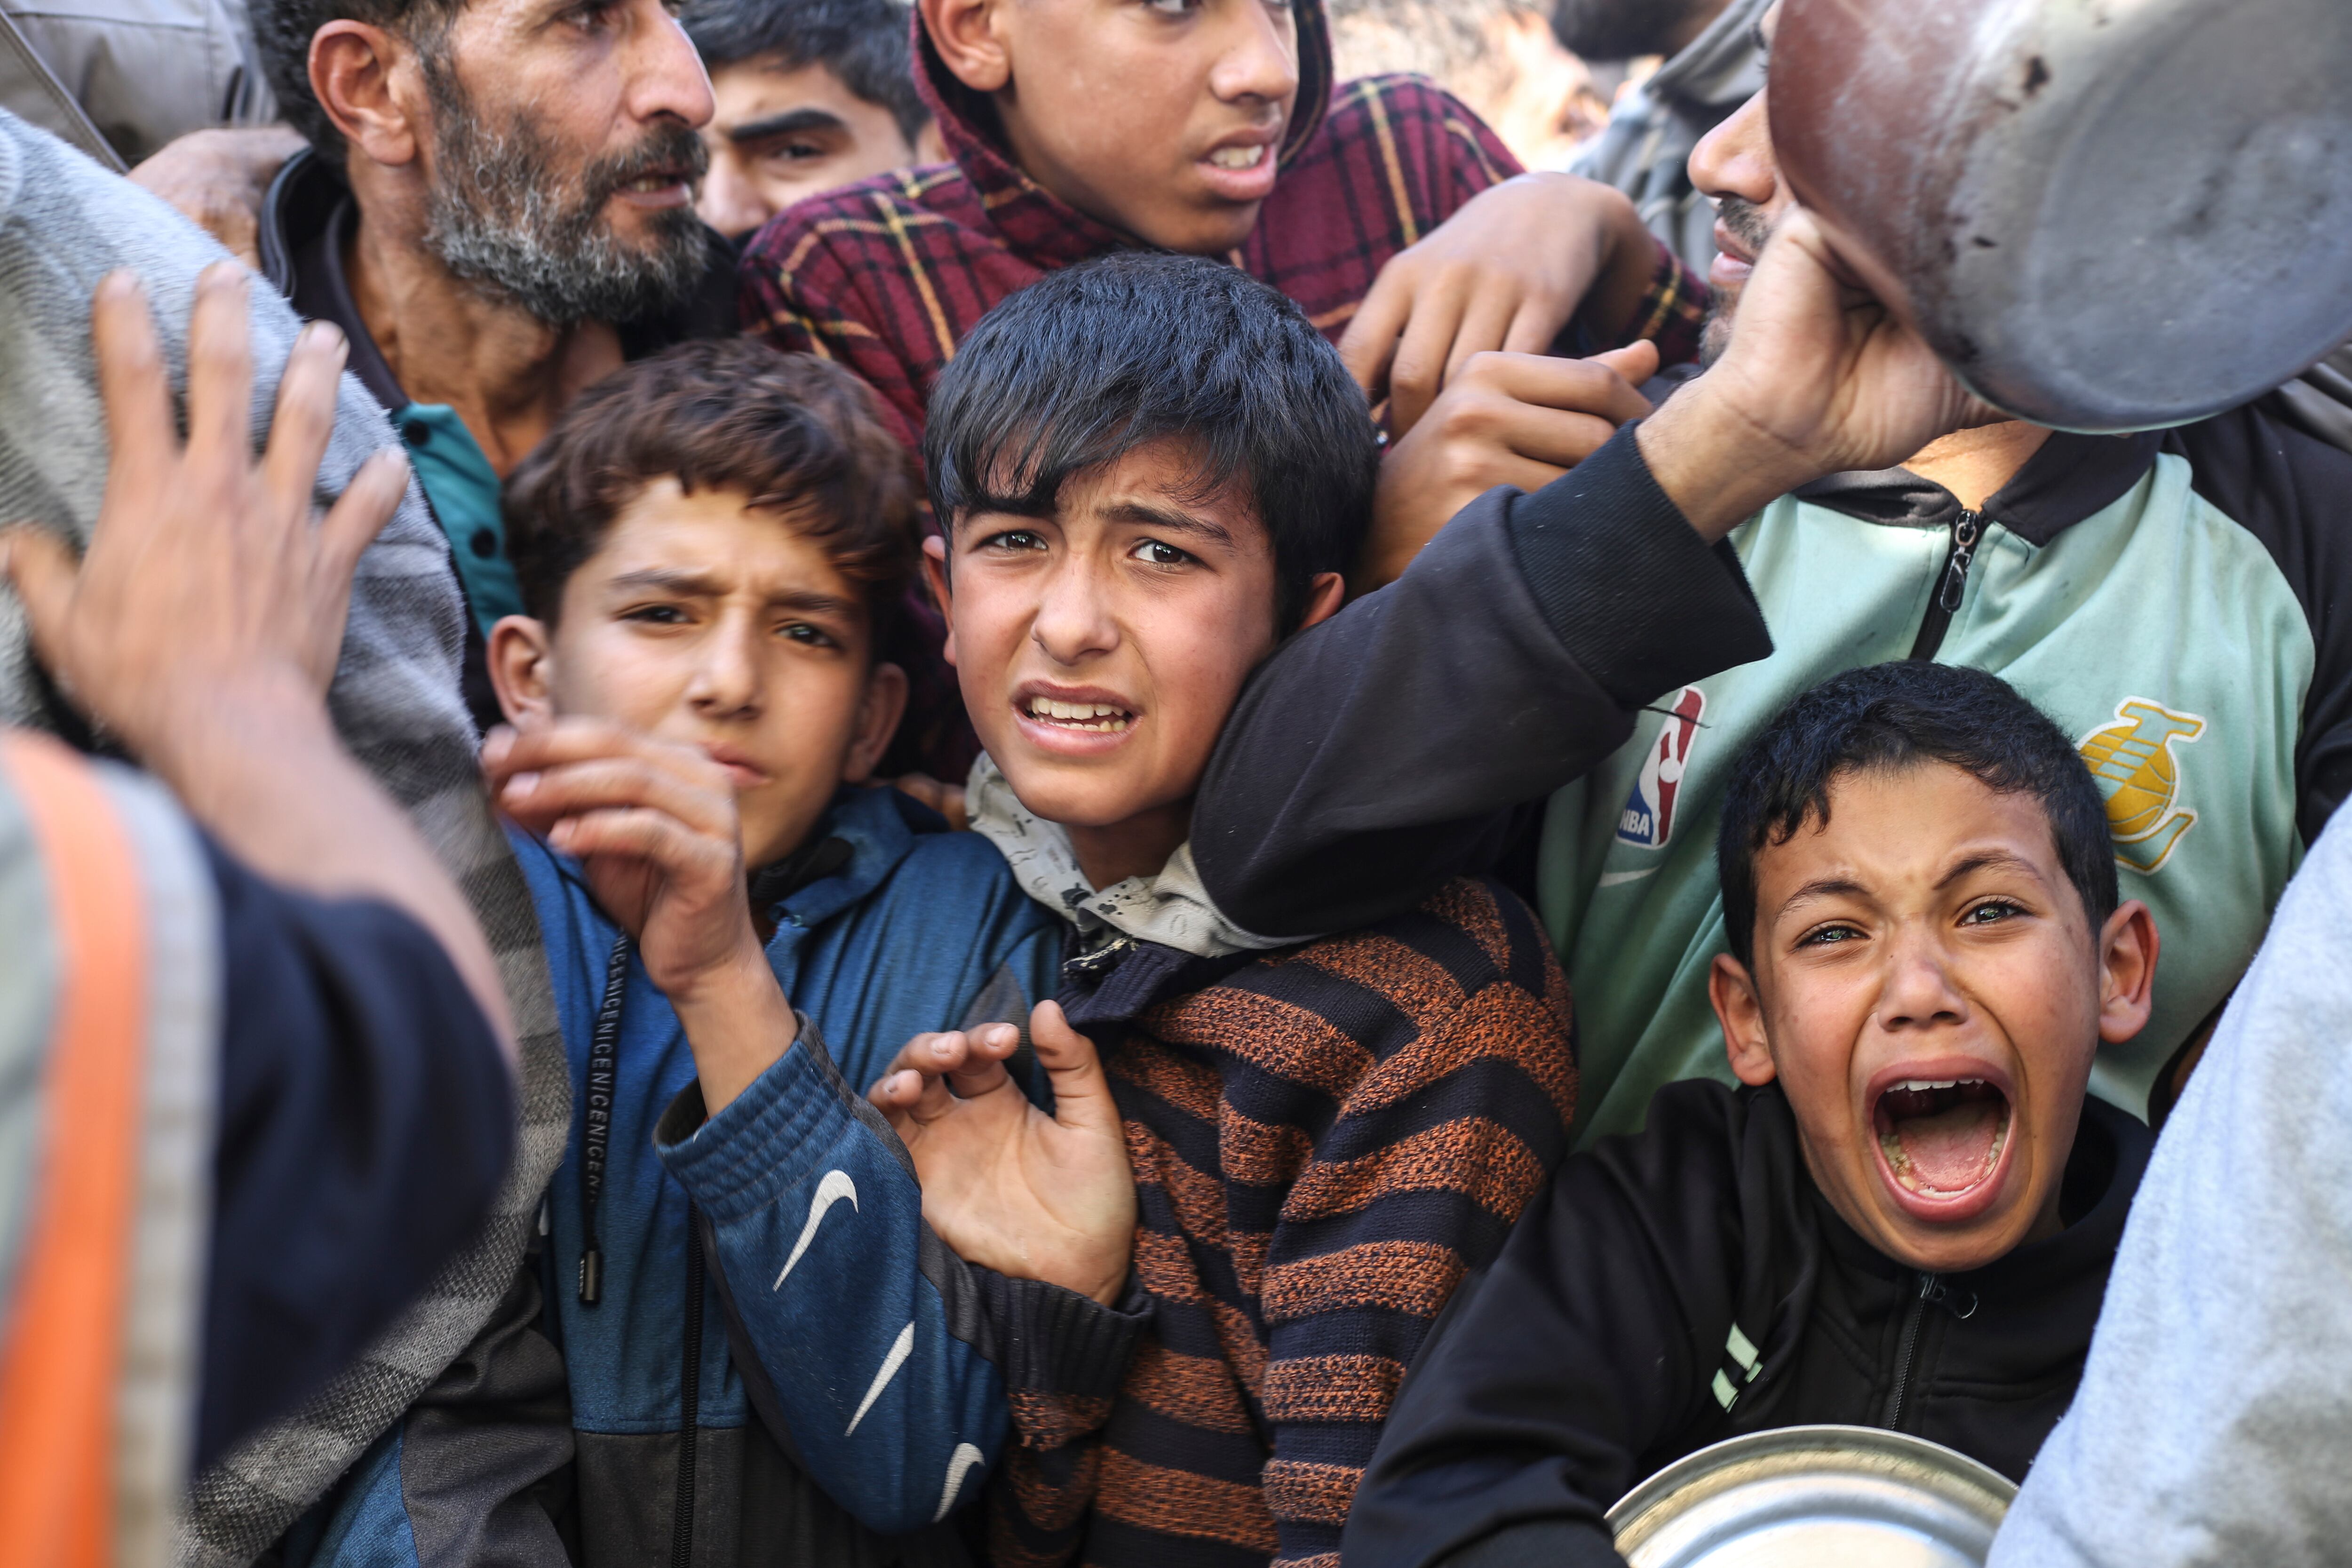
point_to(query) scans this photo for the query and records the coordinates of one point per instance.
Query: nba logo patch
(2133, 760)
(1648, 819)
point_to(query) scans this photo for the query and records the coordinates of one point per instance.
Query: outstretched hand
(1820, 377)
(1007, 1187)
(1507, 273)
(207, 575)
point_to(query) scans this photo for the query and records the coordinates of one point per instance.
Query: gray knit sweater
(64, 224)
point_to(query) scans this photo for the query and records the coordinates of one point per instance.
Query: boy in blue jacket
(769, 1356)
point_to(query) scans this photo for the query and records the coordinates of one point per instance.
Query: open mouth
(1085, 718)
(1240, 157)
(1942, 1138)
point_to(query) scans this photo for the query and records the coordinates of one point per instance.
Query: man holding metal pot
(2170, 597)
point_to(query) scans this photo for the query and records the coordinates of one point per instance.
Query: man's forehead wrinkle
(1990, 860)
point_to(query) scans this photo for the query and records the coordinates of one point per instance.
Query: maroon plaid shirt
(889, 275)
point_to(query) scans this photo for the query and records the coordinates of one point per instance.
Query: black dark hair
(282, 31)
(1101, 359)
(1885, 717)
(866, 43)
(787, 430)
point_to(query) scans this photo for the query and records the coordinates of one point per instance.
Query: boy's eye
(1828, 936)
(1990, 912)
(1012, 539)
(656, 615)
(1152, 553)
(1172, 7)
(814, 636)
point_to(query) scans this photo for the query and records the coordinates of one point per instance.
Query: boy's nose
(1074, 621)
(1919, 990)
(1261, 60)
(729, 677)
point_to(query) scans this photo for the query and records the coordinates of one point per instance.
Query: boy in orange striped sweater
(1151, 469)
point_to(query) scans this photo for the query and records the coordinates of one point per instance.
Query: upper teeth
(1238, 157)
(1099, 714)
(1918, 1083)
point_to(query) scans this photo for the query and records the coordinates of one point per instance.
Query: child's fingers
(541, 746)
(609, 784)
(1082, 1096)
(1635, 363)
(650, 835)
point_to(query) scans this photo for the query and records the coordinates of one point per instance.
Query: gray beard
(498, 216)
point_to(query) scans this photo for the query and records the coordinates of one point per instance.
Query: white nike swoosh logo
(1619, 878)
(835, 1186)
(900, 1351)
(964, 1457)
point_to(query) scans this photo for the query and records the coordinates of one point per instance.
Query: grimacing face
(1200, 92)
(704, 621)
(1928, 991)
(1100, 649)
(784, 133)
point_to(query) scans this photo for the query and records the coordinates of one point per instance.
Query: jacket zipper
(1907, 1355)
(1967, 528)
(681, 1528)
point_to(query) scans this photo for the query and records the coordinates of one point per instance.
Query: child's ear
(1741, 1013)
(2127, 949)
(877, 721)
(969, 34)
(1324, 596)
(522, 669)
(935, 573)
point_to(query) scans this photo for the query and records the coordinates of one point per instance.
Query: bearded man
(495, 206)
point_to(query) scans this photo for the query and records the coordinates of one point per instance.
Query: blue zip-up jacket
(767, 1269)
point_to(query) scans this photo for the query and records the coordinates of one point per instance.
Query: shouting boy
(1150, 468)
(1906, 1219)
(765, 1354)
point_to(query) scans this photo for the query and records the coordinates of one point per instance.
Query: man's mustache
(666, 149)
(1745, 221)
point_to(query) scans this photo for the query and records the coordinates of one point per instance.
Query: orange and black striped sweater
(1325, 1138)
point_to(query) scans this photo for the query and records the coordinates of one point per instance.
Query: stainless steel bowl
(2104, 215)
(1815, 1497)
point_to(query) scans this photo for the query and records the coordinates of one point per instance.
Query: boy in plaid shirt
(1209, 127)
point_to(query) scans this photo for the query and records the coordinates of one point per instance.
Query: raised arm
(1373, 756)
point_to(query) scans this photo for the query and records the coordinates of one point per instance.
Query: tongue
(1951, 1149)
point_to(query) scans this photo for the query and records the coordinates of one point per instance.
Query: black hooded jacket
(1690, 1283)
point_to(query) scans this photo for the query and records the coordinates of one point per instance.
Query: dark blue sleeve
(365, 1121)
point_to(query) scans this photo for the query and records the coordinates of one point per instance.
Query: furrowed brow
(1168, 520)
(692, 584)
(1823, 888)
(790, 121)
(1990, 860)
(809, 603)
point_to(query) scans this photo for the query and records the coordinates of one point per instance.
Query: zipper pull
(1967, 529)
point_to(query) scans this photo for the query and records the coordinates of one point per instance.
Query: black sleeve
(1580, 1356)
(1378, 755)
(2294, 492)
(365, 1121)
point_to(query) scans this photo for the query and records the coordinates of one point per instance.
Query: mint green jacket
(2179, 601)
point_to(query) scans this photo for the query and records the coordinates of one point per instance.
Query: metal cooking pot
(1814, 1497)
(2103, 215)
